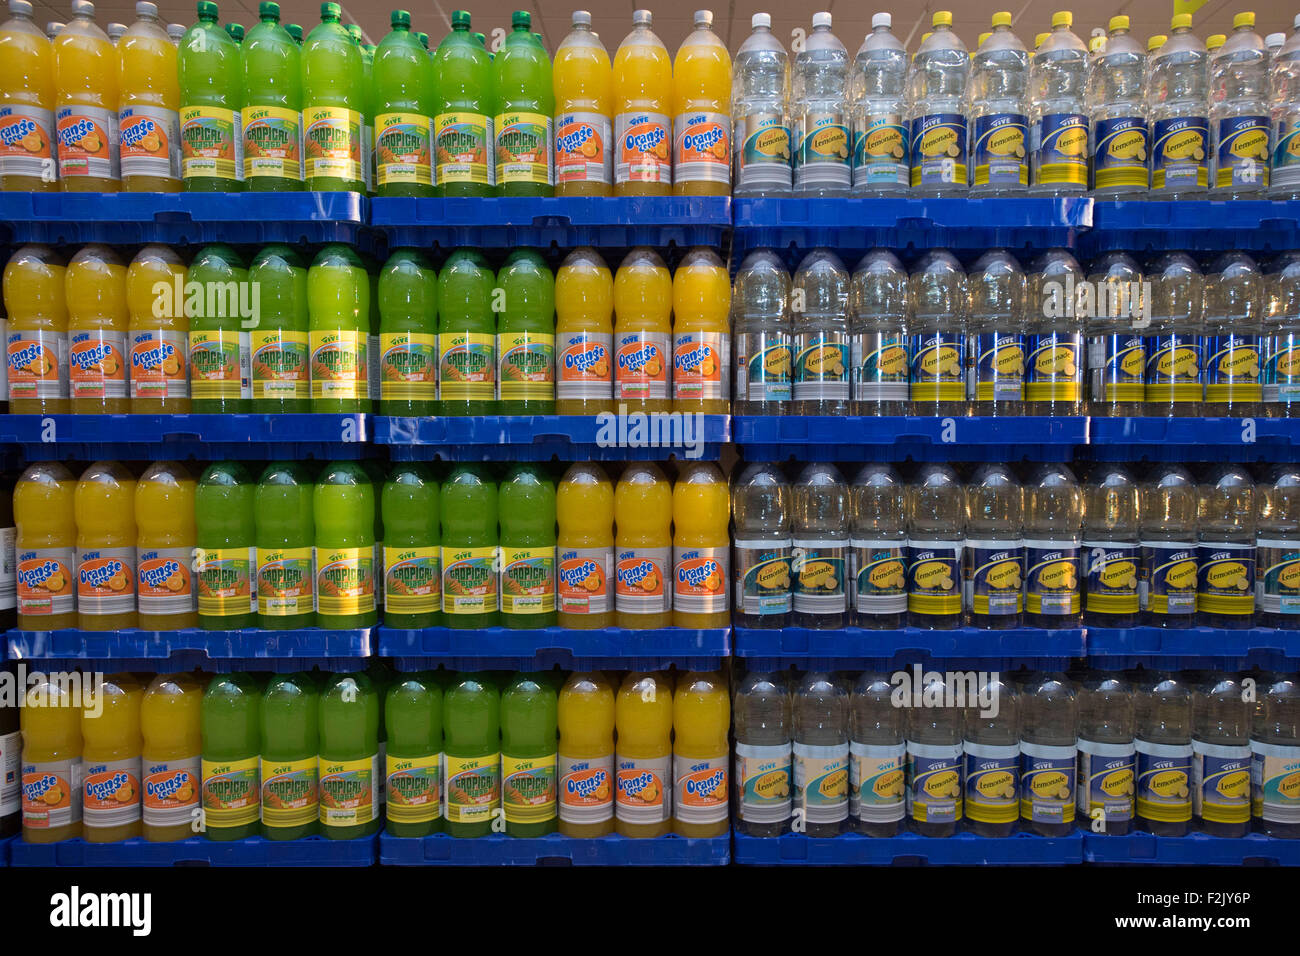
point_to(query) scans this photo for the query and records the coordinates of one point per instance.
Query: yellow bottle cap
(1216, 41)
(1117, 23)
(926, 36)
(1062, 18)
(1181, 20)
(1243, 20)
(1002, 19)
(1038, 40)
(1095, 43)
(1156, 42)
(983, 37)
(942, 18)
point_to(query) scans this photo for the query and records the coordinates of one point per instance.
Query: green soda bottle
(211, 88)
(468, 504)
(527, 504)
(526, 335)
(471, 724)
(404, 93)
(424, 42)
(231, 761)
(413, 765)
(282, 508)
(236, 33)
(333, 112)
(225, 558)
(272, 113)
(525, 137)
(466, 335)
(290, 755)
(528, 755)
(338, 303)
(382, 677)
(295, 31)
(408, 343)
(462, 125)
(344, 511)
(481, 40)
(281, 367)
(412, 578)
(219, 360)
(349, 757)
(367, 112)
(378, 474)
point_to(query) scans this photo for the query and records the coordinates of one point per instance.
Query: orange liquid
(85, 74)
(105, 511)
(585, 718)
(701, 504)
(643, 514)
(111, 735)
(702, 84)
(644, 717)
(47, 530)
(584, 302)
(701, 716)
(96, 292)
(27, 87)
(35, 298)
(149, 78)
(582, 79)
(584, 511)
(162, 388)
(643, 305)
(643, 78)
(702, 307)
(51, 725)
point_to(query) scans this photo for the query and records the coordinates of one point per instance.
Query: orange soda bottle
(165, 540)
(643, 548)
(701, 547)
(37, 342)
(582, 79)
(584, 511)
(701, 334)
(45, 547)
(157, 333)
(149, 119)
(97, 324)
(643, 130)
(585, 718)
(702, 113)
(26, 104)
(51, 763)
(110, 786)
(701, 716)
(104, 505)
(172, 756)
(643, 762)
(584, 334)
(643, 304)
(85, 76)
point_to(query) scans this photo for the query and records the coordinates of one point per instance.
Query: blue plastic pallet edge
(602, 430)
(72, 644)
(609, 642)
(1195, 849)
(962, 642)
(549, 211)
(501, 850)
(908, 430)
(1159, 642)
(290, 428)
(854, 849)
(254, 851)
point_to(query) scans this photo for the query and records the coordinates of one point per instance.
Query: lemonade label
(997, 366)
(1243, 152)
(339, 366)
(1059, 143)
(700, 789)
(408, 366)
(467, 367)
(1232, 367)
(821, 782)
(880, 152)
(87, 142)
(1286, 150)
(822, 151)
(1105, 780)
(225, 578)
(332, 143)
(528, 580)
(220, 365)
(702, 148)
(345, 580)
(583, 366)
(159, 368)
(412, 580)
(582, 580)
(1111, 578)
(763, 577)
(349, 791)
(1052, 578)
(51, 793)
(763, 778)
(641, 577)
(232, 792)
(1173, 368)
(171, 791)
(1178, 154)
(992, 782)
(164, 584)
(523, 148)
(934, 577)
(998, 149)
(38, 364)
(414, 788)
(822, 363)
(763, 152)
(212, 143)
(878, 577)
(818, 569)
(764, 367)
(993, 577)
(933, 782)
(1275, 782)
(586, 789)
(1054, 367)
(528, 788)
(105, 581)
(290, 792)
(1220, 782)
(1047, 782)
(273, 147)
(938, 150)
(881, 366)
(1170, 571)
(281, 365)
(643, 148)
(284, 581)
(473, 787)
(938, 372)
(701, 366)
(1119, 153)
(150, 138)
(700, 580)
(527, 372)
(1226, 579)
(463, 149)
(582, 149)
(110, 793)
(469, 580)
(97, 364)
(403, 151)
(1118, 365)
(46, 582)
(643, 792)
(642, 367)
(877, 777)
(26, 141)
(1280, 377)
(1164, 785)
(1278, 579)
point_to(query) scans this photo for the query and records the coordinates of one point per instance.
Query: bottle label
(998, 152)
(8, 570)
(212, 144)
(700, 789)
(1178, 154)
(1278, 580)
(821, 782)
(27, 142)
(527, 366)
(937, 367)
(992, 782)
(582, 149)
(1286, 150)
(997, 367)
(1047, 782)
(1226, 582)
(224, 576)
(1221, 782)
(1105, 780)
(402, 153)
(408, 366)
(641, 580)
(110, 793)
(934, 785)
(284, 581)
(939, 150)
(150, 141)
(1275, 782)
(1119, 152)
(763, 777)
(462, 144)
(105, 581)
(934, 578)
(332, 140)
(473, 787)
(469, 580)
(1243, 152)
(51, 793)
(1173, 368)
(700, 580)
(1112, 577)
(528, 580)
(1169, 577)
(349, 791)
(414, 788)
(702, 148)
(819, 569)
(586, 789)
(159, 367)
(993, 576)
(339, 367)
(220, 365)
(1054, 367)
(523, 148)
(879, 576)
(877, 779)
(764, 367)
(97, 364)
(171, 791)
(583, 580)
(764, 152)
(763, 577)
(164, 584)
(46, 581)
(38, 364)
(1281, 373)
(1232, 365)
(528, 788)
(643, 789)
(1060, 143)
(281, 365)
(290, 792)
(702, 366)
(822, 159)
(1118, 363)
(881, 366)
(345, 580)
(467, 368)
(821, 366)
(412, 580)
(643, 366)
(583, 366)
(643, 148)
(232, 792)
(880, 152)
(273, 145)
(88, 142)
(1052, 578)
(1164, 781)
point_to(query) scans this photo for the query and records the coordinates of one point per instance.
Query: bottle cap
(330, 11)
(581, 18)
(763, 20)
(400, 18)
(642, 17)
(1117, 23)
(821, 19)
(267, 10)
(926, 36)
(1038, 40)
(1062, 18)
(1181, 21)
(1095, 44)
(1216, 41)
(1274, 39)
(1156, 42)
(704, 18)
(20, 8)
(983, 37)
(460, 19)
(521, 19)
(294, 30)
(115, 30)
(941, 18)
(144, 9)
(83, 8)
(1243, 20)
(207, 10)
(1002, 19)
(881, 20)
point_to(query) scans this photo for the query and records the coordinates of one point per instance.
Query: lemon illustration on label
(889, 785)
(1058, 360)
(887, 575)
(1181, 576)
(1128, 145)
(1118, 783)
(1072, 141)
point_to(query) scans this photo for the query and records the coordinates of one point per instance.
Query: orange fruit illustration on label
(185, 793)
(55, 582)
(117, 582)
(53, 796)
(650, 792)
(33, 142)
(588, 149)
(125, 793)
(109, 365)
(90, 143)
(653, 367)
(174, 582)
(603, 793)
(171, 365)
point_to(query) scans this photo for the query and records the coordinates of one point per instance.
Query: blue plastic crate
(196, 851)
(501, 850)
(801, 643)
(5, 845)
(1196, 849)
(1178, 648)
(250, 644)
(907, 849)
(1196, 225)
(1195, 439)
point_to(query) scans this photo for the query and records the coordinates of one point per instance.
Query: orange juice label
(643, 151)
(527, 580)
(642, 368)
(164, 584)
(232, 792)
(700, 790)
(151, 141)
(641, 580)
(582, 148)
(290, 792)
(700, 580)
(345, 580)
(412, 580)
(97, 364)
(45, 581)
(332, 142)
(701, 366)
(463, 149)
(402, 149)
(225, 581)
(219, 365)
(284, 581)
(586, 789)
(280, 365)
(414, 788)
(469, 580)
(702, 148)
(338, 364)
(106, 580)
(523, 147)
(272, 143)
(38, 364)
(110, 792)
(583, 366)
(583, 580)
(408, 366)
(473, 787)
(11, 790)
(51, 794)
(528, 788)
(467, 368)
(171, 791)
(527, 366)
(159, 368)
(87, 142)
(26, 141)
(643, 791)
(211, 143)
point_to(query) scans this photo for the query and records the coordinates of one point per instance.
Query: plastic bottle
(1121, 139)
(1055, 360)
(879, 320)
(290, 769)
(643, 758)
(220, 364)
(1112, 554)
(338, 298)
(408, 345)
(286, 536)
(820, 506)
(110, 785)
(231, 723)
(468, 504)
(1278, 556)
(211, 101)
(528, 754)
(643, 302)
(643, 128)
(761, 113)
(412, 562)
(822, 347)
(1233, 352)
(349, 756)
(104, 507)
(165, 540)
(225, 562)
(991, 764)
(527, 517)
(877, 757)
(1058, 112)
(51, 763)
(344, 513)
(1053, 540)
(333, 107)
(763, 729)
(523, 130)
(1284, 110)
(701, 547)
(86, 84)
(1163, 706)
(1225, 593)
(1167, 513)
(1174, 384)
(582, 80)
(413, 712)
(936, 511)
(819, 114)
(525, 343)
(1275, 747)
(936, 86)
(701, 716)
(36, 342)
(158, 333)
(1049, 754)
(272, 112)
(236, 32)
(998, 110)
(46, 535)
(1106, 753)
(279, 345)
(171, 779)
(762, 522)
(762, 335)
(935, 796)
(1240, 125)
(1177, 103)
(465, 162)
(148, 114)
(175, 32)
(27, 100)
(877, 95)
(877, 573)
(97, 320)
(584, 339)
(586, 714)
(1117, 355)
(999, 310)
(405, 95)
(994, 565)
(1221, 755)
(702, 98)
(1280, 373)
(701, 372)
(53, 29)
(8, 597)
(466, 335)
(937, 287)
(584, 510)
(643, 548)
(472, 754)
(821, 753)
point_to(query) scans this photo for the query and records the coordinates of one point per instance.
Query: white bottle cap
(704, 18)
(581, 18)
(881, 20)
(821, 19)
(1274, 39)
(144, 9)
(1295, 24)
(83, 8)
(642, 17)
(20, 8)
(760, 20)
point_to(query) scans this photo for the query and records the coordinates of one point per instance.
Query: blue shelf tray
(962, 643)
(5, 845)
(566, 222)
(1196, 439)
(182, 218)
(1193, 643)
(853, 849)
(196, 851)
(250, 644)
(1195, 225)
(501, 850)
(1196, 849)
